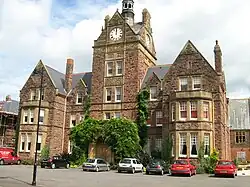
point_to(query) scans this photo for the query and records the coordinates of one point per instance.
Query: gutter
(64, 119)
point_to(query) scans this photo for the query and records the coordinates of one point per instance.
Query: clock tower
(121, 56)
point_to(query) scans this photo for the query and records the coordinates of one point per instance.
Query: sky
(54, 30)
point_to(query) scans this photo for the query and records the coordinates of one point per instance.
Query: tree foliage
(45, 152)
(121, 135)
(142, 116)
(167, 149)
(86, 107)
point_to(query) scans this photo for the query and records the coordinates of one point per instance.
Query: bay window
(183, 110)
(206, 110)
(193, 110)
(183, 145)
(206, 145)
(193, 146)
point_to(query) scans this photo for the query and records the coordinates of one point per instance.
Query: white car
(130, 165)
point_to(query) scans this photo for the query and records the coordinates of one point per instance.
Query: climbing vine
(142, 116)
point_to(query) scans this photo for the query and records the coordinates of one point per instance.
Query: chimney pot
(68, 74)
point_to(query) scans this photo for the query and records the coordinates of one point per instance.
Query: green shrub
(45, 153)
(27, 162)
(200, 169)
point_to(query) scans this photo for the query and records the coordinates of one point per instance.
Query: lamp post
(38, 123)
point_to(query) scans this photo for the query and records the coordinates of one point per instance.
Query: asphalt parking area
(79, 178)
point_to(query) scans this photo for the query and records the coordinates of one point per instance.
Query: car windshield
(182, 162)
(126, 161)
(225, 163)
(91, 161)
(155, 162)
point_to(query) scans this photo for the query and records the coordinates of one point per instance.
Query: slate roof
(58, 79)
(159, 70)
(10, 107)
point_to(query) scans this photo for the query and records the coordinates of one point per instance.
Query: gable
(116, 19)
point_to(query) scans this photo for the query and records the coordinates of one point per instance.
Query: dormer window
(183, 84)
(196, 83)
(79, 98)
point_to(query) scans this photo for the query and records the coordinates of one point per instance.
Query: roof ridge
(54, 69)
(82, 73)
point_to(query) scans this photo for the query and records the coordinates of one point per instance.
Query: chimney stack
(218, 58)
(146, 17)
(68, 74)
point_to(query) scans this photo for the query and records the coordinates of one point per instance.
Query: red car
(7, 156)
(182, 166)
(225, 168)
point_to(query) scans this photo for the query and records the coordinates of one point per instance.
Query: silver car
(96, 164)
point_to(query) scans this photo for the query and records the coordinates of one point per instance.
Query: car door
(139, 165)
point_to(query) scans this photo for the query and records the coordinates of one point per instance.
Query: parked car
(96, 164)
(55, 162)
(157, 167)
(8, 156)
(182, 166)
(130, 165)
(225, 168)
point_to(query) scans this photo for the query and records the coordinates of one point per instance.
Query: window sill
(148, 125)
(153, 99)
(119, 101)
(193, 119)
(158, 125)
(182, 156)
(183, 119)
(193, 156)
(79, 103)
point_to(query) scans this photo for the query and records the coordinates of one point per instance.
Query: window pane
(173, 111)
(183, 144)
(183, 109)
(194, 144)
(196, 82)
(153, 90)
(183, 84)
(119, 67)
(109, 93)
(193, 109)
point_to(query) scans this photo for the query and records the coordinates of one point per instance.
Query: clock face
(116, 34)
(147, 40)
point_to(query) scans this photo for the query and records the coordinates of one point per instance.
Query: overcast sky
(53, 30)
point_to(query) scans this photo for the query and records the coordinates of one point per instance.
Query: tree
(167, 149)
(121, 135)
(45, 152)
(142, 116)
(86, 107)
(88, 131)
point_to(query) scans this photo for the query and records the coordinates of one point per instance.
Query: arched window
(125, 5)
(129, 5)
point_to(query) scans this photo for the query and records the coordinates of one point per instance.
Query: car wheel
(147, 172)
(97, 169)
(42, 166)
(1, 162)
(53, 166)
(18, 162)
(133, 170)
(119, 171)
(67, 166)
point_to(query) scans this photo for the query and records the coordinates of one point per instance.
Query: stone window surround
(118, 92)
(108, 90)
(153, 93)
(193, 110)
(183, 110)
(193, 141)
(31, 116)
(41, 117)
(196, 82)
(72, 120)
(200, 110)
(79, 97)
(185, 80)
(207, 143)
(182, 143)
(107, 115)
(173, 111)
(119, 67)
(22, 142)
(25, 116)
(183, 83)
(109, 68)
(240, 136)
(35, 94)
(28, 142)
(25, 139)
(158, 116)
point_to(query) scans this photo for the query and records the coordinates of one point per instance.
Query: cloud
(53, 30)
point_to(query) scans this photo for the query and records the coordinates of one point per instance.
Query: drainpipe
(64, 118)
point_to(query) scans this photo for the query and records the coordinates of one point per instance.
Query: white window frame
(241, 137)
(31, 116)
(78, 95)
(39, 141)
(206, 143)
(158, 144)
(22, 140)
(25, 114)
(107, 91)
(119, 66)
(105, 115)
(38, 94)
(108, 65)
(153, 96)
(194, 141)
(183, 81)
(70, 147)
(196, 81)
(118, 90)
(158, 115)
(173, 111)
(173, 143)
(183, 139)
(29, 140)
(33, 95)
(193, 107)
(72, 118)
(205, 109)
(182, 109)
(117, 115)
(42, 114)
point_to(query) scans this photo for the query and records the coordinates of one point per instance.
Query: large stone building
(239, 120)
(8, 122)
(187, 98)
